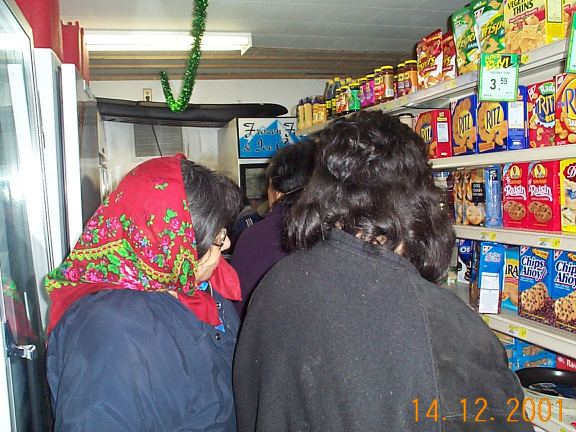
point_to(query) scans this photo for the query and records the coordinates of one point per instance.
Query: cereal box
(448, 57)
(466, 40)
(434, 128)
(518, 121)
(564, 290)
(568, 194)
(511, 272)
(531, 24)
(515, 195)
(429, 52)
(489, 22)
(464, 125)
(541, 114)
(544, 196)
(493, 193)
(535, 285)
(565, 126)
(492, 124)
(487, 277)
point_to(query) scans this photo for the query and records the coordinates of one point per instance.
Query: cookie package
(514, 195)
(511, 272)
(568, 194)
(544, 196)
(564, 290)
(535, 285)
(435, 129)
(487, 277)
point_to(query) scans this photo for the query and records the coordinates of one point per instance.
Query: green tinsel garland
(198, 27)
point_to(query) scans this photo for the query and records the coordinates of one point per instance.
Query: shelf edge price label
(488, 235)
(517, 331)
(486, 319)
(571, 60)
(556, 242)
(544, 242)
(498, 80)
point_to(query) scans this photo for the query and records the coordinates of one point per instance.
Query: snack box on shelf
(492, 126)
(564, 290)
(568, 194)
(464, 125)
(515, 195)
(535, 285)
(435, 129)
(541, 113)
(518, 121)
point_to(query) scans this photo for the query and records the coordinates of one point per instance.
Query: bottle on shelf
(344, 100)
(370, 101)
(300, 115)
(410, 76)
(400, 74)
(354, 100)
(307, 113)
(333, 103)
(321, 114)
(328, 95)
(362, 92)
(378, 86)
(315, 106)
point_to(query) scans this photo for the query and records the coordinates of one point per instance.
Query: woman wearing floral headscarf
(142, 329)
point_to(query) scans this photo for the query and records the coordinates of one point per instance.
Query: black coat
(347, 337)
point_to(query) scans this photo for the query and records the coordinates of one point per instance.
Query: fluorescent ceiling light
(104, 40)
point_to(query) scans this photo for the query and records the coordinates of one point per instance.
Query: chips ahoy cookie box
(535, 285)
(564, 290)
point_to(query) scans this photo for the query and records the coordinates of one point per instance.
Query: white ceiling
(356, 25)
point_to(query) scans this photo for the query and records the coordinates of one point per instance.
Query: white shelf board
(508, 322)
(542, 63)
(543, 239)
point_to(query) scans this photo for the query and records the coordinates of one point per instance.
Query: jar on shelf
(369, 90)
(410, 76)
(400, 74)
(362, 92)
(353, 100)
(344, 99)
(388, 86)
(378, 86)
(407, 119)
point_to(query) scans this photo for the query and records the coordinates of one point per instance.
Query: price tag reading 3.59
(498, 77)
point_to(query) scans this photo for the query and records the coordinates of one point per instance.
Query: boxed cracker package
(568, 194)
(489, 22)
(535, 285)
(565, 363)
(531, 24)
(515, 195)
(434, 128)
(466, 40)
(518, 121)
(429, 53)
(487, 277)
(464, 125)
(565, 124)
(492, 125)
(542, 114)
(544, 196)
(448, 57)
(511, 272)
(564, 290)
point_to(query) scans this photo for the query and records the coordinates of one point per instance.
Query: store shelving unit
(510, 323)
(538, 65)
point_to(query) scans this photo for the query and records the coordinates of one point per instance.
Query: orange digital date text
(542, 410)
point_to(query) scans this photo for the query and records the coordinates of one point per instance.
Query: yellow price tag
(544, 241)
(517, 331)
(486, 319)
(450, 84)
(403, 100)
(488, 235)
(525, 58)
(556, 243)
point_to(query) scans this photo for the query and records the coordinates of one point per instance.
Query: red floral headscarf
(141, 238)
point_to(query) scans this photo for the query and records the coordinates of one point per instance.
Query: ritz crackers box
(568, 194)
(515, 195)
(564, 290)
(434, 128)
(544, 196)
(565, 109)
(492, 125)
(541, 113)
(535, 284)
(464, 125)
(531, 24)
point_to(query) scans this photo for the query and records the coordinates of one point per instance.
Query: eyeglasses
(220, 238)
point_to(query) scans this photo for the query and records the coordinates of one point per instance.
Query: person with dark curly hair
(262, 245)
(352, 332)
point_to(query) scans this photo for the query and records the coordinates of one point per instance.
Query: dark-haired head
(214, 201)
(372, 179)
(290, 169)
